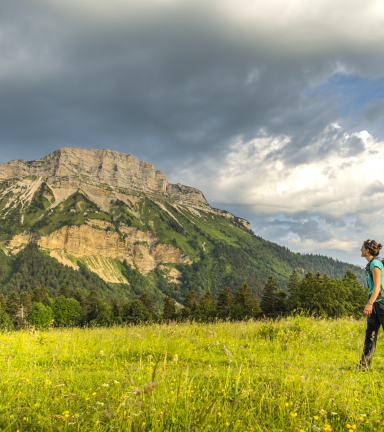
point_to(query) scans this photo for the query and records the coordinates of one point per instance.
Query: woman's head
(370, 247)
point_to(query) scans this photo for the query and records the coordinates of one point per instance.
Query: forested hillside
(124, 230)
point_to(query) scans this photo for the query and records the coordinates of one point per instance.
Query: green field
(288, 375)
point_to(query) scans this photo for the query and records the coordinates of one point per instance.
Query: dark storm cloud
(177, 83)
(151, 80)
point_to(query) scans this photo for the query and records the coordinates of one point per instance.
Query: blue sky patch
(354, 91)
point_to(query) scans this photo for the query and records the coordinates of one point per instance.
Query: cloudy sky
(273, 109)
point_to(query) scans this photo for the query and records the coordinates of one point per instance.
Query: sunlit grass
(289, 375)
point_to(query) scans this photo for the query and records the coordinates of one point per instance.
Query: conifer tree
(115, 308)
(293, 282)
(91, 305)
(281, 303)
(209, 297)
(25, 305)
(356, 294)
(13, 305)
(318, 278)
(225, 299)
(63, 291)
(78, 295)
(268, 298)
(169, 308)
(309, 276)
(247, 300)
(149, 304)
(191, 301)
(3, 303)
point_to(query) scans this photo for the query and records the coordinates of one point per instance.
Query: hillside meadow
(286, 375)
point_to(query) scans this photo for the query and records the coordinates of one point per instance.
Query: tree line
(314, 294)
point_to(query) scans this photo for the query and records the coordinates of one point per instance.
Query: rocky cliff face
(104, 175)
(139, 249)
(95, 206)
(73, 165)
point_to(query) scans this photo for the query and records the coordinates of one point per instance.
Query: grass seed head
(226, 352)
(149, 387)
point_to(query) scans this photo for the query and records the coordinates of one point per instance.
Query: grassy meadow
(287, 375)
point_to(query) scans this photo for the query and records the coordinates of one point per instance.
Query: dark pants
(374, 321)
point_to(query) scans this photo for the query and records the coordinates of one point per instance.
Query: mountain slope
(123, 221)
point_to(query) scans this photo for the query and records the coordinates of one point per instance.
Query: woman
(375, 306)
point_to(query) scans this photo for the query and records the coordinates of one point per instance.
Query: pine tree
(13, 305)
(225, 299)
(247, 300)
(91, 305)
(169, 308)
(209, 297)
(309, 276)
(3, 303)
(293, 282)
(63, 291)
(39, 293)
(318, 278)
(115, 308)
(25, 305)
(191, 301)
(78, 295)
(356, 294)
(268, 298)
(149, 304)
(281, 303)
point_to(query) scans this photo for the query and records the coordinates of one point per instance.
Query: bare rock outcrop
(138, 248)
(105, 175)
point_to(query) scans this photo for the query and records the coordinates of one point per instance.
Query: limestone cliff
(94, 207)
(139, 249)
(104, 175)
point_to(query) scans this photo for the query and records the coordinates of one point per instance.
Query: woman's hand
(368, 309)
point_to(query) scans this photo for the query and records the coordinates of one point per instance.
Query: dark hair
(372, 247)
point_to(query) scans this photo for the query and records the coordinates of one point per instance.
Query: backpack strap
(368, 266)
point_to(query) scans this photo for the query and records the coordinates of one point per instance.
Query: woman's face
(364, 251)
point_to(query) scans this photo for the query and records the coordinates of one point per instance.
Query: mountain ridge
(116, 216)
(109, 167)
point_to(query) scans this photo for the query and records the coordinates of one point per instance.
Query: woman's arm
(376, 275)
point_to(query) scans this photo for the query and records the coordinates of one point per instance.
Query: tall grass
(288, 375)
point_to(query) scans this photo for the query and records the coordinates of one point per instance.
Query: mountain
(99, 218)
